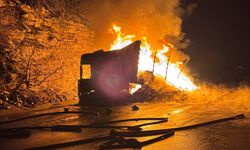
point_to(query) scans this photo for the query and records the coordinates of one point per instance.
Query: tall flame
(171, 72)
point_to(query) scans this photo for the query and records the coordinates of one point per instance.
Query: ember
(166, 69)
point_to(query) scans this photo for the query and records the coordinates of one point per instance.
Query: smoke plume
(155, 19)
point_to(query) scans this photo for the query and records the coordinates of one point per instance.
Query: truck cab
(105, 75)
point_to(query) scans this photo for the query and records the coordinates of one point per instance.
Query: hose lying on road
(119, 142)
(126, 143)
(126, 120)
(77, 128)
(17, 132)
(118, 137)
(136, 127)
(162, 131)
(71, 143)
(52, 113)
(105, 124)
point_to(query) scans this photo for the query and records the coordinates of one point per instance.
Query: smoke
(1, 3)
(155, 19)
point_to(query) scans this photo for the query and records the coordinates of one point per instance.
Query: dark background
(219, 31)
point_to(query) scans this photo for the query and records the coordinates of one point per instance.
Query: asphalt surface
(227, 135)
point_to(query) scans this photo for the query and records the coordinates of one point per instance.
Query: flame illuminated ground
(164, 68)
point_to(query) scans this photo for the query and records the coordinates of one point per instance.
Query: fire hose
(162, 131)
(23, 132)
(46, 114)
(116, 139)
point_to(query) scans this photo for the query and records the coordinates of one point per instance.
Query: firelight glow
(175, 77)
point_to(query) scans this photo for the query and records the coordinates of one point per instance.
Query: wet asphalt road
(230, 135)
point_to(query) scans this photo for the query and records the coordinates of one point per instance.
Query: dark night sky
(219, 31)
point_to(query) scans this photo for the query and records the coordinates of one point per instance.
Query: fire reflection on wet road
(227, 135)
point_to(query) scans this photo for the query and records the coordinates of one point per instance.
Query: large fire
(164, 68)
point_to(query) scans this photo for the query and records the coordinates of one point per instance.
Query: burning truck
(105, 76)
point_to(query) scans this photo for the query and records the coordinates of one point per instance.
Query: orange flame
(175, 77)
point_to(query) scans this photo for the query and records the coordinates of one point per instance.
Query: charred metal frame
(111, 73)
